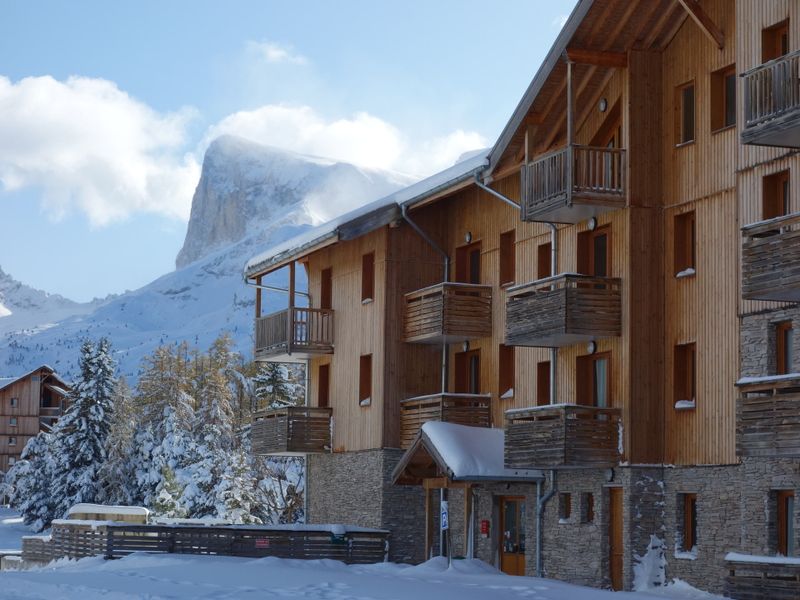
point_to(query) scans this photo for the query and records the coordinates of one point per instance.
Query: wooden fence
(768, 417)
(749, 580)
(771, 259)
(771, 90)
(448, 312)
(352, 545)
(291, 429)
(474, 410)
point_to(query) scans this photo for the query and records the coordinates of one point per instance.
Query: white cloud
(273, 52)
(361, 139)
(90, 146)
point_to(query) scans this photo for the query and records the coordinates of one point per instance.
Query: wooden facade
(28, 404)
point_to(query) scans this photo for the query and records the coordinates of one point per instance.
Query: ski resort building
(28, 404)
(608, 294)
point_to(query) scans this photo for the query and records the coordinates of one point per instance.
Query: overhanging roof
(8, 381)
(460, 453)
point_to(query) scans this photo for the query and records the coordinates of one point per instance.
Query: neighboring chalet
(28, 404)
(615, 284)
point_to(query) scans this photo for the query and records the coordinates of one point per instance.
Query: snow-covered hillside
(249, 197)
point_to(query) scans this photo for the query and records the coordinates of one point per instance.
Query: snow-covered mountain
(249, 197)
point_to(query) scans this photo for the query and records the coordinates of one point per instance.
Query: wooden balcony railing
(573, 183)
(771, 259)
(772, 103)
(758, 577)
(447, 313)
(295, 331)
(464, 409)
(768, 416)
(291, 430)
(562, 436)
(563, 310)
(48, 415)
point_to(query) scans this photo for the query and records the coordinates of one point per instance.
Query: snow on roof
(58, 390)
(105, 509)
(473, 453)
(768, 379)
(752, 558)
(330, 232)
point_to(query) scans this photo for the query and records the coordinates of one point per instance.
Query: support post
(258, 297)
(290, 312)
(428, 523)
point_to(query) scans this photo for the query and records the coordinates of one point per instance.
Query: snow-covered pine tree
(236, 494)
(27, 483)
(273, 388)
(282, 488)
(79, 436)
(118, 472)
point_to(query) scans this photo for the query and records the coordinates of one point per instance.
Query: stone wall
(355, 488)
(758, 341)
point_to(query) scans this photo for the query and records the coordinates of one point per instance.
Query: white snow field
(179, 577)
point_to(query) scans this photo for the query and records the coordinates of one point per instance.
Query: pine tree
(28, 483)
(118, 472)
(79, 437)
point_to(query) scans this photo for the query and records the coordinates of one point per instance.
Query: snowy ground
(192, 577)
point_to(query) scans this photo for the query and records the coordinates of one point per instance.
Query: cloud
(361, 139)
(273, 52)
(89, 146)
(560, 21)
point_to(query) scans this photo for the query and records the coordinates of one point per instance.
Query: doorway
(615, 538)
(512, 535)
(468, 372)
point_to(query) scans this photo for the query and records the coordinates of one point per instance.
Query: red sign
(262, 542)
(485, 527)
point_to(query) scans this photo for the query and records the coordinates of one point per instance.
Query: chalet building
(28, 404)
(614, 285)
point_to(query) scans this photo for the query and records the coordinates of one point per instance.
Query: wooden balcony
(563, 310)
(768, 417)
(48, 415)
(448, 313)
(474, 410)
(771, 259)
(562, 436)
(772, 103)
(573, 184)
(759, 577)
(291, 430)
(295, 333)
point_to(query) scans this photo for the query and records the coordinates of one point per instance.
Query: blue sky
(106, 108)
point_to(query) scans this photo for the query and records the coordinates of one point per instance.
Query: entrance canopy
(460, 454)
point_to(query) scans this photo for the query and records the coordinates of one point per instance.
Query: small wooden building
(29, 403)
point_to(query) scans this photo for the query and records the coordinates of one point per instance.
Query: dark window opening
(723, 98)
(323, 386)
(684, 124)
(368, 276)
(784, 342)
(684, 237)
(685, 376)
(507, 257)
(365, 380)
(326, 289)
(775, 195)
(543, 383)
(544, 261)
(505, 358)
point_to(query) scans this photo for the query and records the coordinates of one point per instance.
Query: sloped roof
(8, 381)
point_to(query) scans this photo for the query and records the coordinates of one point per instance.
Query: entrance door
(512, 535)
(615, 538)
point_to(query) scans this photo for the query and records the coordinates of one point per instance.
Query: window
(687, 504)
(12, 460)
(684, 113)
(468, 263)
(543, 383)
(12, 421)
(593, 385)
(368, 277)
(594, 252)
(505, 358)
(784, 341)
(14, 402)
(723, 98)
(775, 41)
(684, 236)
(564, 506)
(775, 195)
(365, 380)
(326, 288)
(685, 377)
(12, 441)
(587, 508)
(323, 386)
(507, 257)
(785, 522)
(468, 372)
(544, 261)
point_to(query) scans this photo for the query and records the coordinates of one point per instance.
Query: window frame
(586, 384)
(543, 383)
(680, 114)
(326, 288)
(12, 440)
(508, 258)
(365, 380)
(776, 195)
(772, 37)
(720, 101)
(324, 392)
(689, 515)
(684, 244)
(544, 260)
(784, 522)
(684, 375)
(564, 506)
(368, 277)
(12, 422)
(506, 357)
(784, 332)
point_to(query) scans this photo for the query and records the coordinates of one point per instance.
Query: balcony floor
(582, 209)
(783, 131)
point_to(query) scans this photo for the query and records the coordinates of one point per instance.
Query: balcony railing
(756, 577)
(563, 310)
(573, 184)
(768, 416)
(297, 332)
(562, 436)
(474, 410)
(772, 103)
(291, 430)
(771, 259)
(447, 313)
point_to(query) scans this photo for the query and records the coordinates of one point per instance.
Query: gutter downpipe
(541, 501)
(445, 346)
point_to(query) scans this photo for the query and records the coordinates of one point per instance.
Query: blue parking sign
(444, 517)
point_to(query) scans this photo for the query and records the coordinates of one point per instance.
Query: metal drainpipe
(541, 501)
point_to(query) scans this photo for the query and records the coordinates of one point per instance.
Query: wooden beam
(428, 523)
(599, 58)
(705, 23)
(258, 297)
